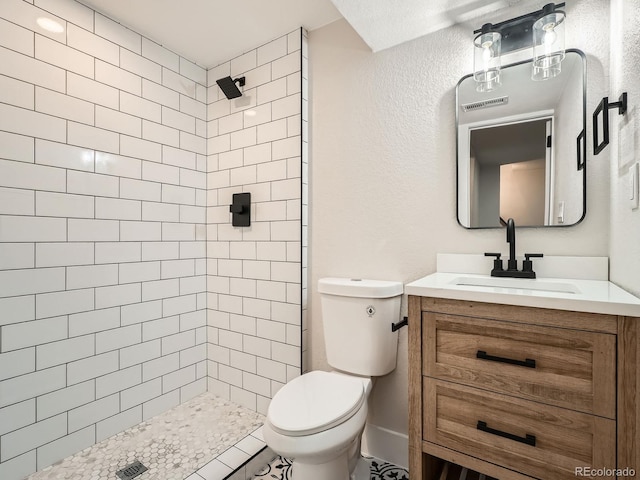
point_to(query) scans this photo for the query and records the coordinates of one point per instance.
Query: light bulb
(487, 60)
(550, 37)
(486, 55)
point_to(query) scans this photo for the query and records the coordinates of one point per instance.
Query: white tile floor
(241, 460)
(280, 469)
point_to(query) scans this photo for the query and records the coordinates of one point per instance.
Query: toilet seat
(314, 402)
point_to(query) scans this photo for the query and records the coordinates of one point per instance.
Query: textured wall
(625, 143)
(383, 168)
(102, 213)
(254, 273)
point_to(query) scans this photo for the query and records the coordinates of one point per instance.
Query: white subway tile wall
(103, 199)
(257, 299)
(118, 160)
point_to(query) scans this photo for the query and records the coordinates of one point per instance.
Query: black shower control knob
(241, 209)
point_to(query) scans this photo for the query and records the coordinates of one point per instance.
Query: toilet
(317, 419)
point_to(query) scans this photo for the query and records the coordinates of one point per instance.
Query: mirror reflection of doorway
(511, 174)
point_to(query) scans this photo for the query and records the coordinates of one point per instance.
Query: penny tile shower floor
(204, 432)
(207, 438)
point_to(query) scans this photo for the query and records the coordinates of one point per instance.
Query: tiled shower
(255, 276)
(124, 289)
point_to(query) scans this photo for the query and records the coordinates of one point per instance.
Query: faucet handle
(497, 263)
(527, 265)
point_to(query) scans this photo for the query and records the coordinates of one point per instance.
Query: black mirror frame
(581, 144)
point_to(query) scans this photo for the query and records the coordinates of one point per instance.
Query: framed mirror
(521, 148)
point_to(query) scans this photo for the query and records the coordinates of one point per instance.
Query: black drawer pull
(526, 363)
(527, 439)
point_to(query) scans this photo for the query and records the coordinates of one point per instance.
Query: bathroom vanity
(523, 380)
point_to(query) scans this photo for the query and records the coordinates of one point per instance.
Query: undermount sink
(516, 283)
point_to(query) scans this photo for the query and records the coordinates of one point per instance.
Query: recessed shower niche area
(137, 323)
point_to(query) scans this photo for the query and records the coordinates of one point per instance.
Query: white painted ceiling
(384, 23)
(210, 32)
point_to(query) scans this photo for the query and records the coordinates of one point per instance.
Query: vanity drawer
(539, 440)
(566, 368)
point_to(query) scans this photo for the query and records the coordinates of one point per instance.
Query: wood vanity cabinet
(521, 392)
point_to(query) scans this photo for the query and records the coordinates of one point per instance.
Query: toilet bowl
(317, 420)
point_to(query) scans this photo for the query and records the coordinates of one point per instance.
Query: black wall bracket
(241, 210)
(603, 109)
(397, 326)
(517, 33)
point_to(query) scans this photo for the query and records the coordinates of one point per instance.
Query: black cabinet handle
(527, 439)
(523, 363)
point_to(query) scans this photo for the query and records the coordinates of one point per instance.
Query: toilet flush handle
(397, 326)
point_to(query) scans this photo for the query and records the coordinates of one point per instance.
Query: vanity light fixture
(543, 30)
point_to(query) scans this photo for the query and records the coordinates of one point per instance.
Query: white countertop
(595, 296)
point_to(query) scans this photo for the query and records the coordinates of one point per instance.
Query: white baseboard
(385, 444)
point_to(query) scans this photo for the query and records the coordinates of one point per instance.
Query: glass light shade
(548, 45)
(486, 66)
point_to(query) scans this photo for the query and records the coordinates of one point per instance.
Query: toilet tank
(357, 316)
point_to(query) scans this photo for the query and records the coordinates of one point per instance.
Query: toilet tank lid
(357, 287)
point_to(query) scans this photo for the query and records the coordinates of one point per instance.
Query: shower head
(228, 86)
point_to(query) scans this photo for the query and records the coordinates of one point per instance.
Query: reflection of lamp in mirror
(548, 43)
(487, 59)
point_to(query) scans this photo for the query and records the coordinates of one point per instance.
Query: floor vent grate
(131, 471)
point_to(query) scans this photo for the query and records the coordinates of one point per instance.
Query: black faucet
(512, 264)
